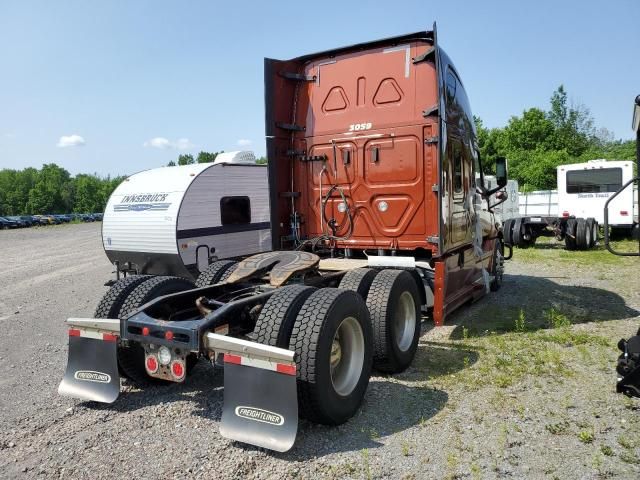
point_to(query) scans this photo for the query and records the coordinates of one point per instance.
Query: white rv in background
(583, 189)
(175, 220)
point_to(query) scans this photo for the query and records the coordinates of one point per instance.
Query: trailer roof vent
(242, 157)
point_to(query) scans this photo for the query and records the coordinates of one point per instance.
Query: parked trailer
(372, 152)
(177, 220)
(583, 189)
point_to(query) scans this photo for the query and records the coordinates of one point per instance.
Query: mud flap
(260, 406)
(92, 367)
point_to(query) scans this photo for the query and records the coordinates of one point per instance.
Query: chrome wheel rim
(405, 321)
(347, 356)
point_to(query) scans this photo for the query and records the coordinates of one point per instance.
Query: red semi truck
(376, 196)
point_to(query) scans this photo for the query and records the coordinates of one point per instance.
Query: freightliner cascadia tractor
(376, 215)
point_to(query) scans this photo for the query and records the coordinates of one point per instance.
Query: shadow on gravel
(539, 303)
(389, 407)
(202, 387)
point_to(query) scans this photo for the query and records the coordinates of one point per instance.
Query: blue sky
(90, 85)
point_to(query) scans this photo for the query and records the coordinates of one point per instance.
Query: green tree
(52, 192)
(207, 157)
(186, 159)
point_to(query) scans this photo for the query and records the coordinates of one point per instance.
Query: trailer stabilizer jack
(92, 365)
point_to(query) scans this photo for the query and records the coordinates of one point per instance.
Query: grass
(547, 249)
(586, 436)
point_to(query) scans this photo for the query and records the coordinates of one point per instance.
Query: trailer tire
(394, 304)
(359, 280)
(131, 357)
(583, 236)
(276, 320)
(330, 322)
(215, 273)
(570, 234)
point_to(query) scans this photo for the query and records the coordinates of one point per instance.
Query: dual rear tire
(338, 337)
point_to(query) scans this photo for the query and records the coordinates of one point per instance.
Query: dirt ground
(518, 385)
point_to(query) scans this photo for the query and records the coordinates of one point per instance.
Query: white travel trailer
(176, 220)
(574, 211)
(583, 189)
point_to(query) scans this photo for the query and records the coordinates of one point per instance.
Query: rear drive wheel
(394, 304)
(359, 280)
(216, 272)
(570, 234)
(131, 357)
(275, 322)
(332, 339)
(111, 302)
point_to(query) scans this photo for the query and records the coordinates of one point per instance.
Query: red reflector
(74, 333)
(177, 369)
(230, 358)
(145, 331)
(168, 335)
(152, 364)
(565, 214)
(624, 213)
(107, 337)
(286, 369)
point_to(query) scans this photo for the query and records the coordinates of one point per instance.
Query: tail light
(177, 369)
(151, 364)
(624, 213)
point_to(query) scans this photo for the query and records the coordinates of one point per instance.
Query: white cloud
(164, 143)
(244, 142)
(71, 141)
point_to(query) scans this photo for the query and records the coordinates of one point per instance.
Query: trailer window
(594, 181)
(235, 210)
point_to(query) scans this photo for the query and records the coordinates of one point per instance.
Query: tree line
(538, 141)
(534, 143)
(52, 189)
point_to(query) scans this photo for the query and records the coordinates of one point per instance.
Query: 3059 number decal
(356, 127)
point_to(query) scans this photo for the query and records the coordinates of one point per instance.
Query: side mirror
(501, 171)
(635, 124)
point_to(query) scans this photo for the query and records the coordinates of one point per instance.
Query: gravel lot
(496, 393)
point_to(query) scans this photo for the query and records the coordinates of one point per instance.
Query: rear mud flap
(260, 407)
(92, 370)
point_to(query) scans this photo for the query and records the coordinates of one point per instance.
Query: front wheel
(497, 271)
(332, 339)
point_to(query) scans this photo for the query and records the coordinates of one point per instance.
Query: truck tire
(359, 280)
(394, 305)
(332, 339)
(498, 267)
(592, 228)
(570, 234)
(131, 357)
(516, 233)
(216, 272)
(275, 322)
(506, 232)
(111, 302)
(583, 236)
